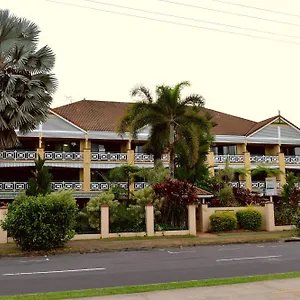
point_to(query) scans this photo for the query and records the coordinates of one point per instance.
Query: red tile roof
(104, 116)
(201, 192)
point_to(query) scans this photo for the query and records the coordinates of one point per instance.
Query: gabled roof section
(274, 120)
(228, 124)
(94, 115)
(66, 120)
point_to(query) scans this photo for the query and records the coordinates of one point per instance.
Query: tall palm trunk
(171, 151)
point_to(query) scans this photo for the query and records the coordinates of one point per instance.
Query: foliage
(155, 175)
(244, 197)
(249, 219)
(297, 223)
(288, 204)
(285, 215)
(42, 222)
(123, 217)
(26, 81)
(223, 221)
(93, 208)
(175, 196)
(124, 173)
(173, 121)
(40, 183)
(225, 196)
(266, 171)
(82, 223)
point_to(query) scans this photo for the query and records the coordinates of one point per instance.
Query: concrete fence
(205, 212)
(149, 220)
(201, 223)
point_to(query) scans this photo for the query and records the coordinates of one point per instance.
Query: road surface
(86, 271)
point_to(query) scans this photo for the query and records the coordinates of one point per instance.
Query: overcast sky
(102, 56)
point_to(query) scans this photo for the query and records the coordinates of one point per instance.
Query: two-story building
(80, 144)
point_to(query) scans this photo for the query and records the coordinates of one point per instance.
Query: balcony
(21, 186)
(256, 185)
(264, 159)
(109, 157)
(232, 159)
(18, 155)
(71, 185)
(148, 158)
(63, 156)
(292, 160)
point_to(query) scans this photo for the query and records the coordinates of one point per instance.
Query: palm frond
(142, 92)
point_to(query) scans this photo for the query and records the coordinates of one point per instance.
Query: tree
(40, 183)
(172, 121)
(26, 81)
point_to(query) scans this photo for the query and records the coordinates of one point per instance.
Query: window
(225, 150)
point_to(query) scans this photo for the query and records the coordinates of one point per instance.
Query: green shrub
(249, 219)
(223, 221)
(42, 222)
(297, 223)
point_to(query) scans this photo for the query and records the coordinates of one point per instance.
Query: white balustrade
(292, 159)
(264, 159)
(232, 159)
(17, 155)
(21, 186)
(63, 156)
(144, 158)
(107, 156)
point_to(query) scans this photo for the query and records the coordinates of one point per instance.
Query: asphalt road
(85, 271)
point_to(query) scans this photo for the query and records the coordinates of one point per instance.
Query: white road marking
(170, 252)
(260, 246)
(35, 260)
(248, 258)
(55, 271)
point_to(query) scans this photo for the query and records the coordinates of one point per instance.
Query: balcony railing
(232, 159)
(21, 186)
(255, 184)
(109, 157)
(104, 186)
(63, 156)
(145, 158)
(17, 155)
(295, 160)
(264, 159)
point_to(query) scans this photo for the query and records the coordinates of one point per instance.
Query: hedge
(223, 221)
(249, 219)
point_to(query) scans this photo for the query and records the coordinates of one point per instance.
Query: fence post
(3, 234)
(192, 219)
(104, 221)
(204, 218)
(269, 216)
(149, 219)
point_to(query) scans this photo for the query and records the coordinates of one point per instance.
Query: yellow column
(40, 152)
(85, 175)
(3, 234)
(247, 165)
(241, 149)
(211, 163)
(282, 168)
(192, 219)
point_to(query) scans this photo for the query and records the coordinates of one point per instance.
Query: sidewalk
(264, 290)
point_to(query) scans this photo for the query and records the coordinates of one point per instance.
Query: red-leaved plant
(175, 196)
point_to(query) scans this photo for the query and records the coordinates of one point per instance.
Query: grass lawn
(152, 287)
(148, 243)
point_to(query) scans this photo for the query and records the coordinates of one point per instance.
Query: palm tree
(172, 121)
(26, 81)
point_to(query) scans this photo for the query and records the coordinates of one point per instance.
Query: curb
(293, 239)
